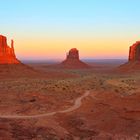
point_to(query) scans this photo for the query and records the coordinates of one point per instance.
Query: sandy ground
(110, 112)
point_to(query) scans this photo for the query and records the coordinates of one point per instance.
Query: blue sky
(71, 19)
(61, 10)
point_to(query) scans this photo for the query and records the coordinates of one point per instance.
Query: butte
(73, 61)
(10, 66)
(133, 63)
(7, 54)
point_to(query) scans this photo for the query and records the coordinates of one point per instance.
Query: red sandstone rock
(73, 54)
(134, 53)
(7, 54)
(72, 60)
(134, 59)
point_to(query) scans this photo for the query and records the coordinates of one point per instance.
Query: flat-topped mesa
(7, 54)
(134, 52)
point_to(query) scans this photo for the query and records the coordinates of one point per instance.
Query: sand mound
(16, 70)
(130, 67)
(74, 64)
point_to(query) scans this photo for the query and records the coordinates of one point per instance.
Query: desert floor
(41, 102)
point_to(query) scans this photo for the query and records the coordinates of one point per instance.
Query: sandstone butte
(7, 54)
(73, 61)
(133, 63)
(134, 52)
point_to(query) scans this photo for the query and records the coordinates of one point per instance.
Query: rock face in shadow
(7, 54)
(134, 52)
(72, 60)
(133, 63)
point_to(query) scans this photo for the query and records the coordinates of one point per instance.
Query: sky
(47, 29)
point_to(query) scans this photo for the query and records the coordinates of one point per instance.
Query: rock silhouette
(72, 60)
(7, 54)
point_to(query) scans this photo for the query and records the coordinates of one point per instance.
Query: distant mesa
(7, 54)
(72, 60)
(133, 63)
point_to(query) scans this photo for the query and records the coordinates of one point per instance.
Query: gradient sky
(47, 29)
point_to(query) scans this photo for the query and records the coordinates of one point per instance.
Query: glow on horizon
(48, 29)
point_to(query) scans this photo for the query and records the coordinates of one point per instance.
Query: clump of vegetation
(116, 90)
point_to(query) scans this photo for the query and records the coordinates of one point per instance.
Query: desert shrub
(116, 90)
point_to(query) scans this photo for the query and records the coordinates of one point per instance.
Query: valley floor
(60, 104)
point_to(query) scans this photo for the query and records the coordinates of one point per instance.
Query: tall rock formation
(7, 54)
(73, 54)
(133, 63)
(72, 60)
(134, 52)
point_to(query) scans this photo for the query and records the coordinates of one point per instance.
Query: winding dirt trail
(77, 104)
